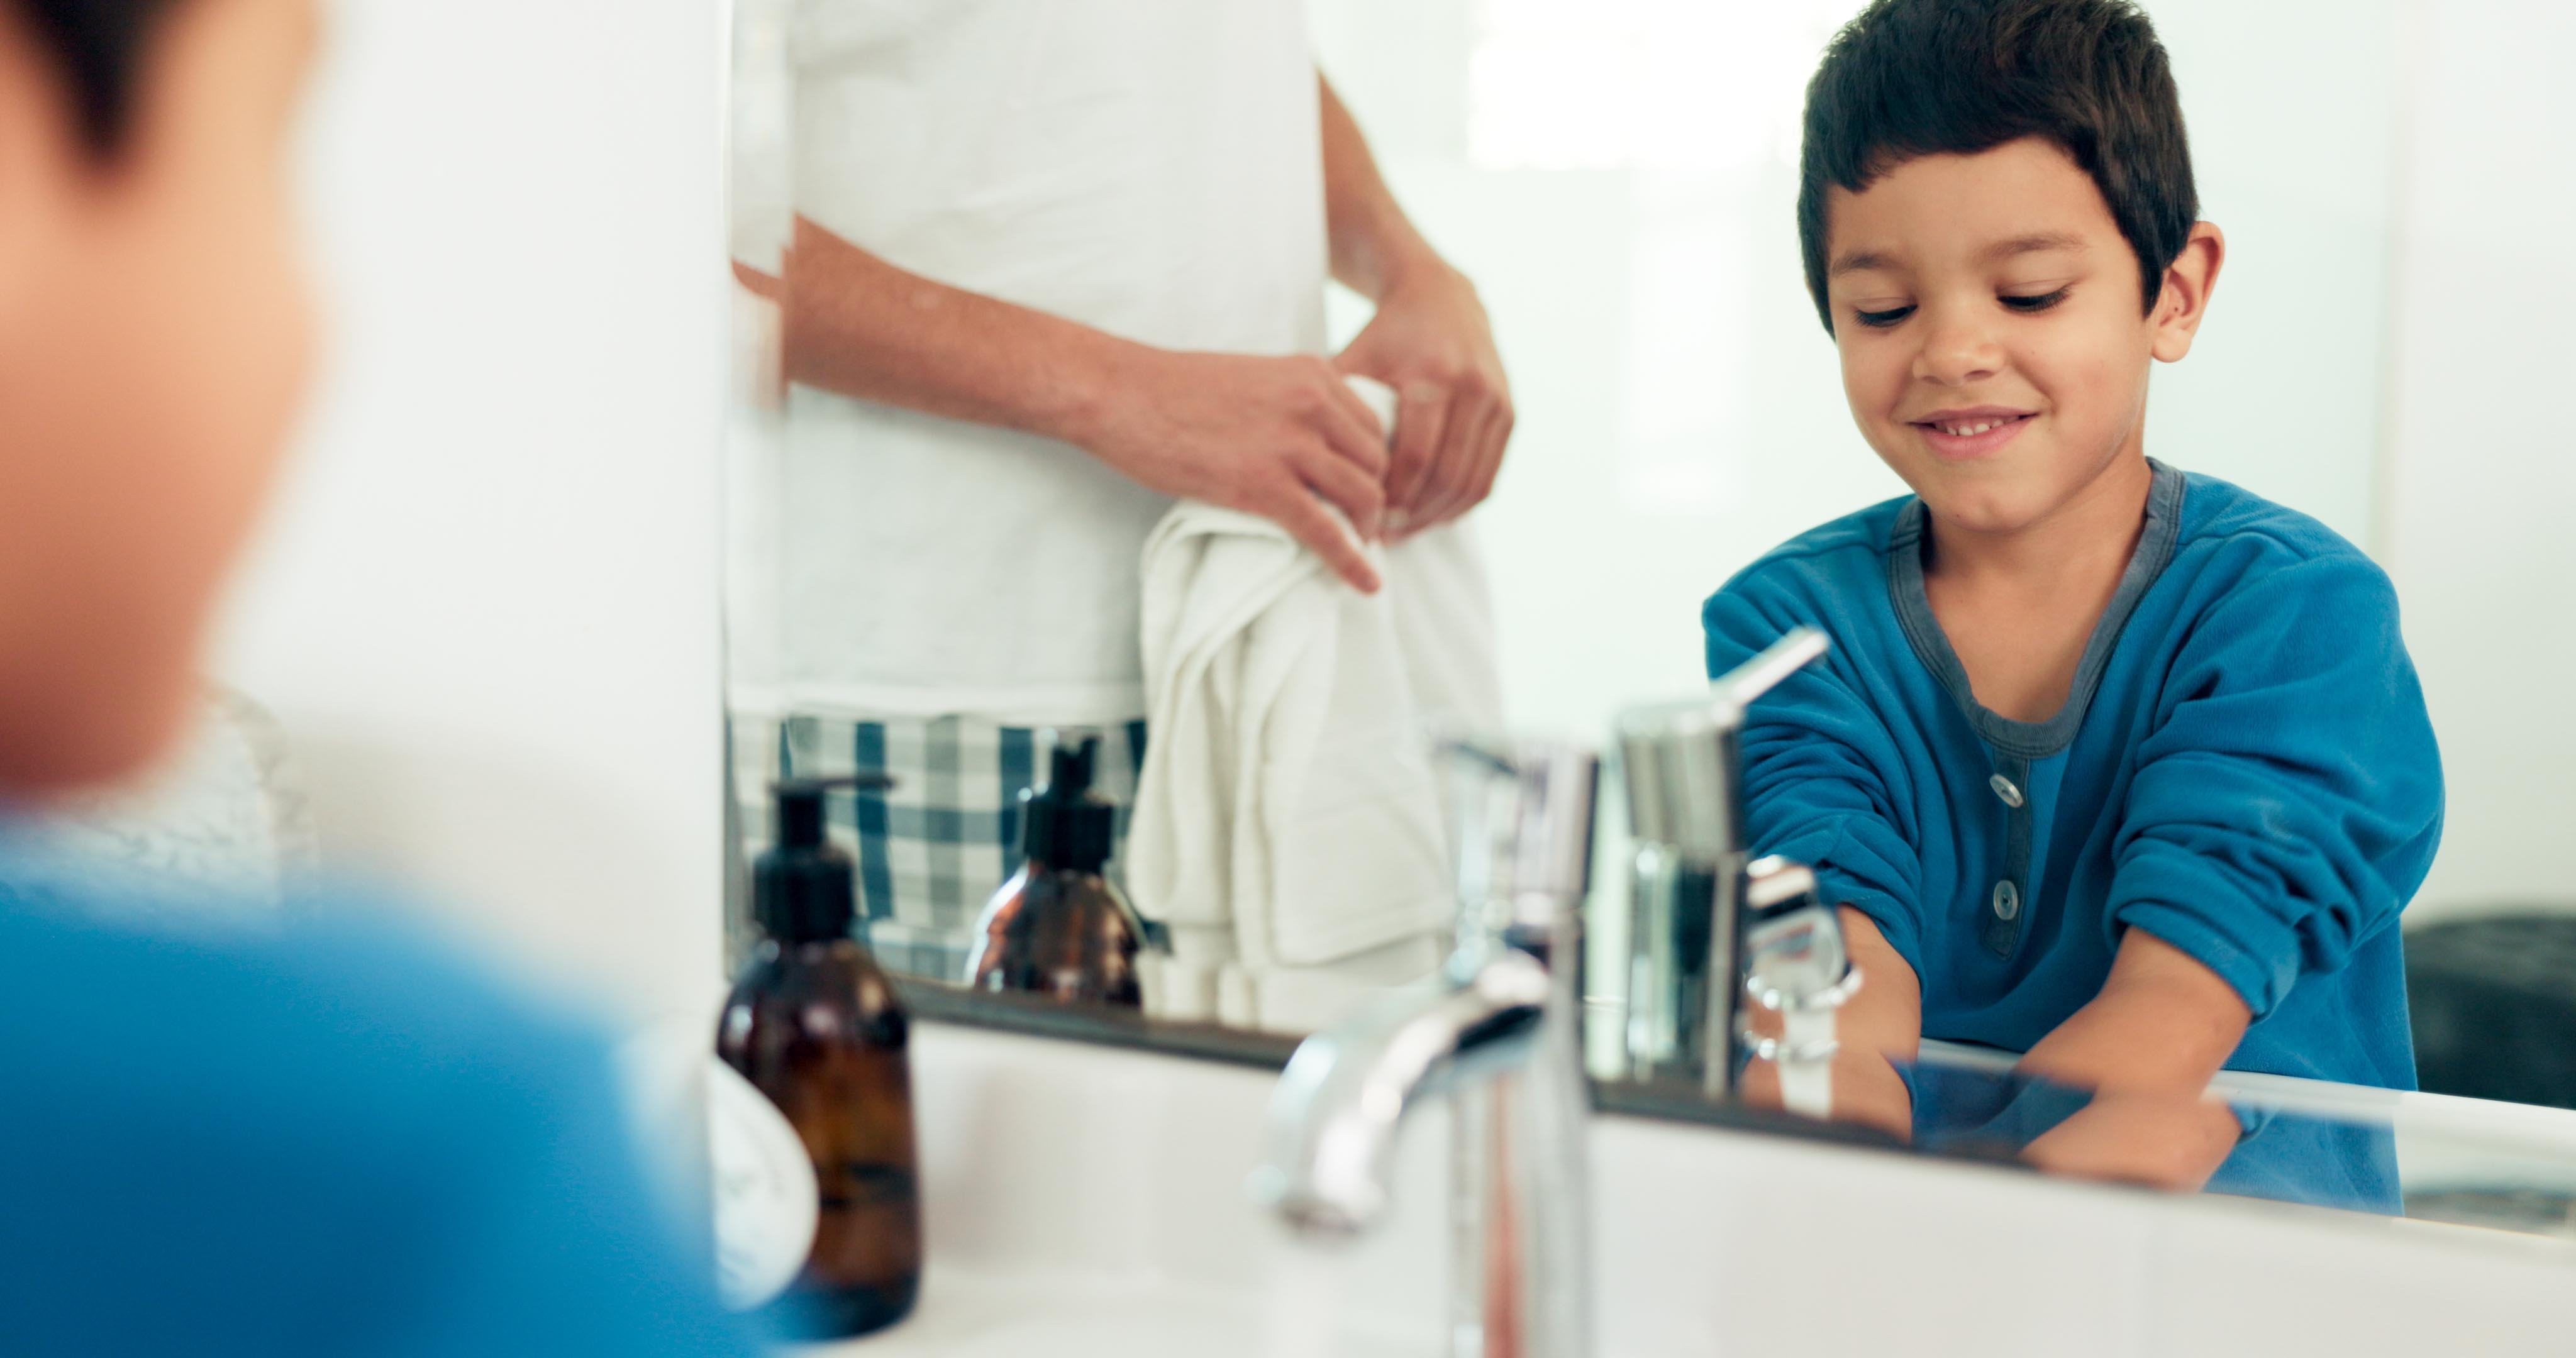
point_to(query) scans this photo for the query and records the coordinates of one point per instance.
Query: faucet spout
(1497, 1034)
(1344, 1095)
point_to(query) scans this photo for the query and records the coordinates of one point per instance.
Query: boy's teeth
(1961, 431)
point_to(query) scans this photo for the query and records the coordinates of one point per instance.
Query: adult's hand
(765, 285)
(1277, 437)
(1432, 342)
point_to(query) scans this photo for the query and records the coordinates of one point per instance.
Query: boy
(329, 1139)
(2120, 767)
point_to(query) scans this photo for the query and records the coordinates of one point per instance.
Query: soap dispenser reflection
(1059, 927)
(814, 1026)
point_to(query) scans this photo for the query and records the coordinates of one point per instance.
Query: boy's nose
(1957, 352)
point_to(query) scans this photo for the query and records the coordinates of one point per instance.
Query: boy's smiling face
(1987, 311)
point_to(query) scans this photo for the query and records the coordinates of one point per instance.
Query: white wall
(2484, 476)
(486, 605)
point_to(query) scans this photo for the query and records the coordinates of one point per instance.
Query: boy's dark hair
(1913, 78)
(99, 47)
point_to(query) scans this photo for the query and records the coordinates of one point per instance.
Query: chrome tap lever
(1522, 823)
(1739, 687)
(1684, 763)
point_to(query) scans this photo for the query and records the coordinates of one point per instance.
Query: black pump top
(803, 889)
(1069, 826)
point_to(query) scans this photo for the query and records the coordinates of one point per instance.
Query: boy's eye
(2036, 302)
(1880, 320)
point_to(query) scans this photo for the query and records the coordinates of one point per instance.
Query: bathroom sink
(1089, 1200)
(1071, 1315)
(1083, 1200)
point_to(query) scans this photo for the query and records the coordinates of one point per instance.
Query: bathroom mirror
(908, 570)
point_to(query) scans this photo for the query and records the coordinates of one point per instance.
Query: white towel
(1287, 827)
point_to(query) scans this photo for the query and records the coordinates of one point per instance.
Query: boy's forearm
(861, 327)
(2147, 1047)
(1373, 243)
(1866, 1089)
(2162, 1023)
(1885, 1015)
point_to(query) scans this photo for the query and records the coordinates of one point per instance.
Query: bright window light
(1655, 84)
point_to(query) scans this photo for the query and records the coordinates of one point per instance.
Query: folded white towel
(1287, 826)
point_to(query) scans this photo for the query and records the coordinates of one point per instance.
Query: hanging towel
(1288, 830)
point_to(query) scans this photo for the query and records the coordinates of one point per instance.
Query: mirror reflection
(1960, 477)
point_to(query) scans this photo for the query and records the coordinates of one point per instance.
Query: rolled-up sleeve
(1819, 776)
(2289, 798)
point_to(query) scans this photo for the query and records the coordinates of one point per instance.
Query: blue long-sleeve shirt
(2243, 768)
(335, 1137)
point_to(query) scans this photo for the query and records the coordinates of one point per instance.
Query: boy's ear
(2189, 281)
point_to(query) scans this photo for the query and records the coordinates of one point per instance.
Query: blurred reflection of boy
(314, 1140)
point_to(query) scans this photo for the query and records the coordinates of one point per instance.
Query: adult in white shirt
(1056, 264)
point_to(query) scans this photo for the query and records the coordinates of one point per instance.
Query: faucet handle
(1680, 757)
(1522, 814)
(1736, 689)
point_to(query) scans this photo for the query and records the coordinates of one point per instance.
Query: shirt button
(2004, 788)
(2007, 900)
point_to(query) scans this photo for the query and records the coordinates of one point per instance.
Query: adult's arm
(1274, 436)
(1430, 339)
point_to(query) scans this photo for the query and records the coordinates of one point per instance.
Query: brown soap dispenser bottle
(1059, 927)
(813, 1024)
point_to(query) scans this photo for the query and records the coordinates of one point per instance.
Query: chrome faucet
(1684, 764)
(1498, 1031)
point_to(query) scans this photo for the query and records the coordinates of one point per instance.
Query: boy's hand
(1867, 1089)
(1880, 1026)
(1432, 343)
(2162, 1023)
(2147, 1045)
(2127, 1136)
